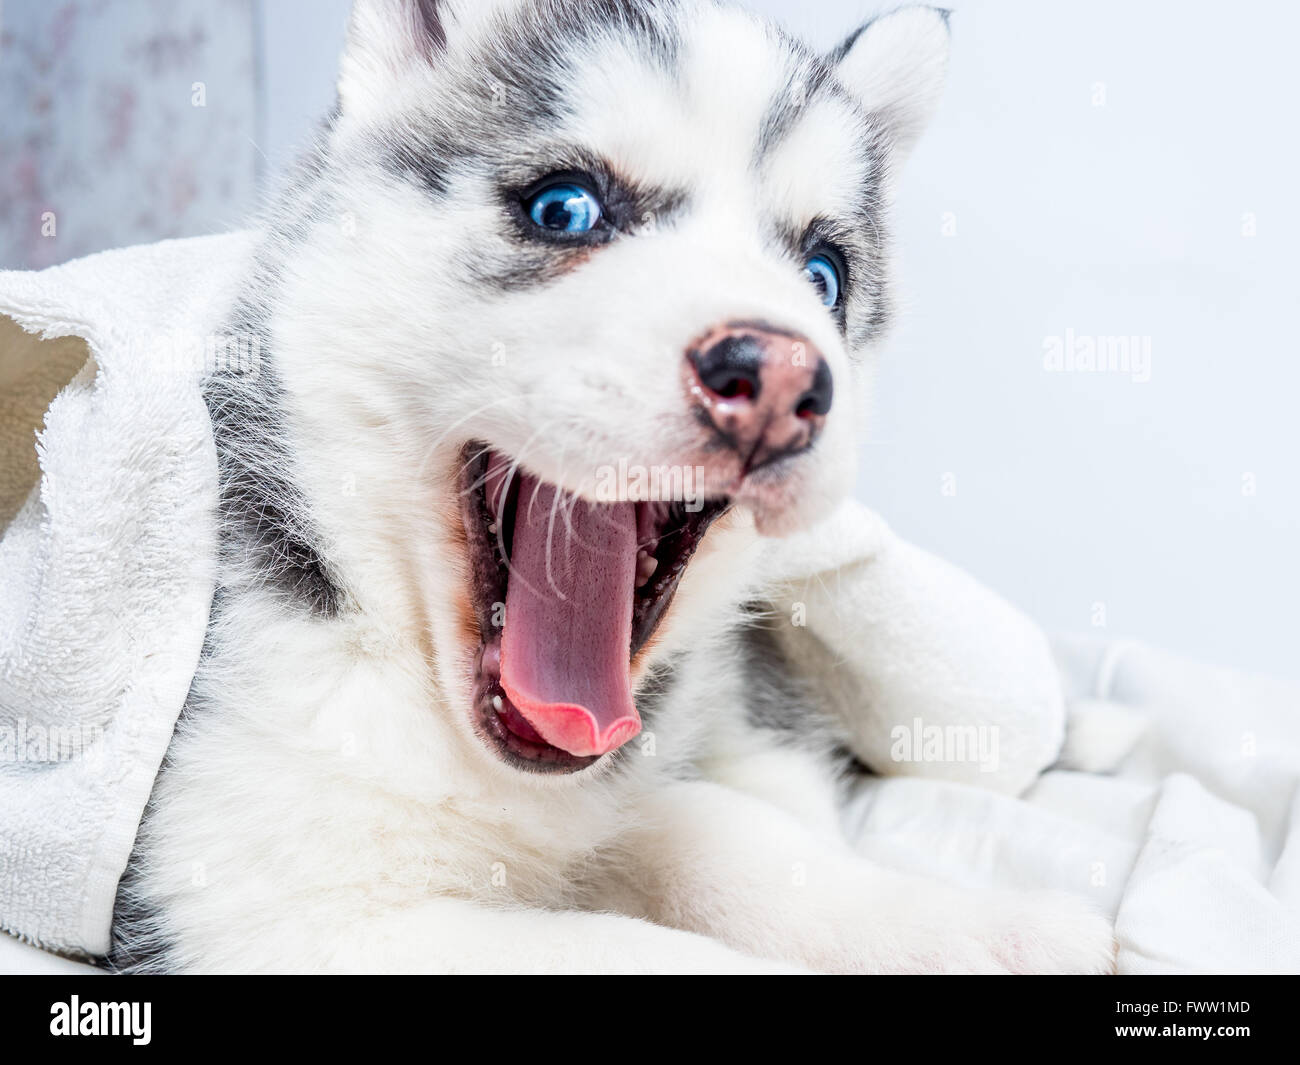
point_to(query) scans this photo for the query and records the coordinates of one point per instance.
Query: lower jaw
(520, 752)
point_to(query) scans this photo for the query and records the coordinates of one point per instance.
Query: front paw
(940, 931)
(1051, 932)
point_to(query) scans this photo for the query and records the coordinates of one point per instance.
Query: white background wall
(1098, 160)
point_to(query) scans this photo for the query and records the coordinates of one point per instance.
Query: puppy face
(601, 273)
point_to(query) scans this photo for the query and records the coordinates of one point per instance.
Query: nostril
(735, 388)
(732, 368)
(816, 402)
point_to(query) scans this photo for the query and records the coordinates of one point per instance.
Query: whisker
(432, 449)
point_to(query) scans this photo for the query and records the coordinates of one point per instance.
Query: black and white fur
(326, 804)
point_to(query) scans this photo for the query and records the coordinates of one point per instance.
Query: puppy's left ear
(896, 66)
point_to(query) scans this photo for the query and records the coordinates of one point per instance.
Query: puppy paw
(1051, 932)
(997, 932)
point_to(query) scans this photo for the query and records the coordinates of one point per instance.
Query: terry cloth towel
(107, 493)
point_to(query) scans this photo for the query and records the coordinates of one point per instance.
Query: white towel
(107, 495)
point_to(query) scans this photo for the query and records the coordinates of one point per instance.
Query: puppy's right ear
(389, 40)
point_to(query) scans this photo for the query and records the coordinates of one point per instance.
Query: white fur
(330, 806)
(897, 68)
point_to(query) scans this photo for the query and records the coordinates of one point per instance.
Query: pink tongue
(568, 624)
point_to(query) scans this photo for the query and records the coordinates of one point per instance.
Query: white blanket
(1176, 808)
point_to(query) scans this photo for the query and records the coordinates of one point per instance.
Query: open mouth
(566, 593)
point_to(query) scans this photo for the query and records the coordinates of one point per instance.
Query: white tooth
(498, 705)
(646, 564)
(492, 529)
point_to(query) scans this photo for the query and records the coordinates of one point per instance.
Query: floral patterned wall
(124, 121)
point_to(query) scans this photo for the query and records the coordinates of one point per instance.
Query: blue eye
(565, 208)
(826, 276)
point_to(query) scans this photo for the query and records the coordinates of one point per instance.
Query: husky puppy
(473, 698)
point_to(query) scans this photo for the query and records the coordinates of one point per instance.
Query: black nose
(766, 392)
(732, 368)
(816, 402)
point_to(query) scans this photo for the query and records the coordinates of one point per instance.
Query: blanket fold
(107, 491)
(1189, 836)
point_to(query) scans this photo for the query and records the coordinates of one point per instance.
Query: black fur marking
(265, 533)
(776, 698)
(787, 702)
(841, 51)
(654, 690)
(812, 78)
(128, 955)
(794, 692)
(261, 507)
(430, 24)
(426, 161)
(135, 946)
